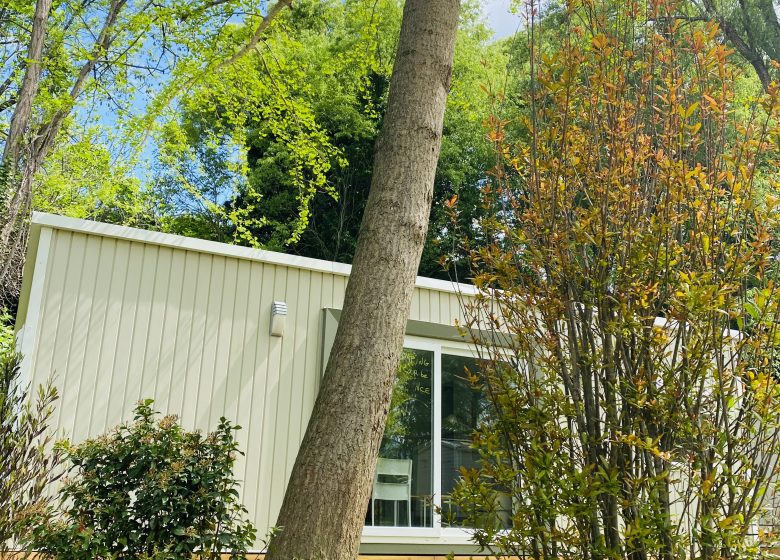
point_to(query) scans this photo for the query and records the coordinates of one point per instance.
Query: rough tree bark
(325, 504)
(29, 87)
(10, 174)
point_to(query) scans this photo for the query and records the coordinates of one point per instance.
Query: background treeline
(193, 118)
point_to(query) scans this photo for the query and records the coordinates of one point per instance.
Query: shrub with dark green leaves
(150, 489)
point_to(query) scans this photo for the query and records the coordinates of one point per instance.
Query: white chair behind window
(397, 490)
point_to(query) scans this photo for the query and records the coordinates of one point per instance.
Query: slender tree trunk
(16, 190)
(327, 496)
(21, 173)
(13, 234)
(12, 200)
(21, 116)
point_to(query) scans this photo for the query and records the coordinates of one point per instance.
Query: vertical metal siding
(123, 320)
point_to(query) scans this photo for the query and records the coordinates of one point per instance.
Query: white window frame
(435, 534)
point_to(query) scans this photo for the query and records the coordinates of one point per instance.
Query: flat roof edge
(41, 219)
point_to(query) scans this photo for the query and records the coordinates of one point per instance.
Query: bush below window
(150, 490)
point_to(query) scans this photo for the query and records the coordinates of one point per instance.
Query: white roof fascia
(40, 219)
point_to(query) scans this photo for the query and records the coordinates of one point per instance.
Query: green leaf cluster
(149, 489)
(296, 176)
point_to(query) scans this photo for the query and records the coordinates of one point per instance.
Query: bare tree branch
(272, 13)
(7, 103)
(7, 83)
(105, 38)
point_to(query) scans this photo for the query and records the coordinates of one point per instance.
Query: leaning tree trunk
(327, 496)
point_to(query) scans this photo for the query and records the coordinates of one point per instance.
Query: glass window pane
(463, 407)
(403, 484)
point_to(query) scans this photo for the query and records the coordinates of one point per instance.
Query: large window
(433, 412)
(403, 486)
(462, 408)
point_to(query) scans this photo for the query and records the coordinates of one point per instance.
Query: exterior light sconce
(278, 313)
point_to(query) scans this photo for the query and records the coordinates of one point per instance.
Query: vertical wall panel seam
(129, 373)
(121, 313)
(318, 337)
(162, 327)
(293, 373)
(230, 343)
(302, 327)
(176, 326)
(263, 354)
(162, 320)
(217, 339)
(66, 361)
(189, 257)
(306, 370)
(275, 417)
(100, 339)
(44, 324)
(80, 377)
(154, 319)
(289, 375)
(203, 343)
(65, 237)
(242, 301)
(92, 317)
(241, 379)
(149, 322)
(187, 372)
(267, 269)
(244, 345)
(251, 437)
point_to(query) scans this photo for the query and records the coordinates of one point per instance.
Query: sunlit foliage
(633, 263)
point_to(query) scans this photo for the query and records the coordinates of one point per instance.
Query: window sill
(416, 535)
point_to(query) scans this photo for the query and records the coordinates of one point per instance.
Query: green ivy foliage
(150, 489)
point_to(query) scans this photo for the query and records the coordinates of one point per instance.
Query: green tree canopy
(281, 156)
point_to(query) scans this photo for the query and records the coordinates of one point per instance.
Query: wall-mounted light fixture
(278, 313)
